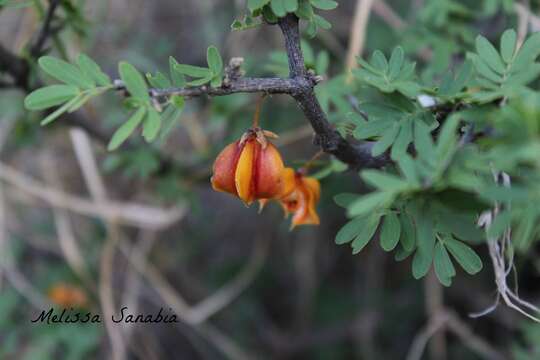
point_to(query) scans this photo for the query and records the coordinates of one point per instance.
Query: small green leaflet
(351, 230)
(93, 71)
(256, 4)
(366, 234)
(65, 72)
(201, 75)
(464, 255)
(324, 4)
(123, 133)
(444, 269)
(151, 125)
(81, 83)
(395, 75)
(134, 81)
(50, 96)
(390, 232)
(504, 74)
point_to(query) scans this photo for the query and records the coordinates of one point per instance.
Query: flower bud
(250, 168)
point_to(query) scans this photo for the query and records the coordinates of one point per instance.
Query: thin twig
(358, 34)
(66, 235)
(37, 49)
(125, 213)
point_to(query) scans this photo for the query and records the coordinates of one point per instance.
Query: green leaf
(215, 62)
(305, 10)
(425, 239)
(178, 79)
(524, 77)
(387, 139)
(151, 125)
(421, 263)
(193, 71)
(404, 138)
(278, 7)
(528, 52)
(378, 60)
(216, 81)
(134, 81)
(323, 60)
(390, 232)
(396, 62)
(170, 117)
(256, 4)
(345, 199)
(324, 4)
(351, 230)
(322, 22)
(123, 133)
(200, 82)
(464, 255)
(372, 128)
(408, 169)
(291, 5)
(370, 202)
(463, 76)
(483, 69)
(384, 181)
(508, 45)
(490, 55)
(50, 96)
(159, 80)
(422, 138)
(365, 236)
(401, 254)
(408, 236)
(65, 72)
(93, 71)
(444, 269)
(447, 139)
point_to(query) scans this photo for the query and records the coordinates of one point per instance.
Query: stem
(257, 115)
(304, 169)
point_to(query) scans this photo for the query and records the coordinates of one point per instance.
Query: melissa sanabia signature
(70, 316)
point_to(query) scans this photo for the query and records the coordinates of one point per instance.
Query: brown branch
(46, 30)
(243, 85)
(326, 136)
(300, 85)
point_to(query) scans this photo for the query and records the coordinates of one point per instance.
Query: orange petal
(268, 173)
(243, 176)
(308, 195)
(288, 183)
(314, 186)
(225, 167)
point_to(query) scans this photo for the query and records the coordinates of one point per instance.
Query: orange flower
(302, 202)
(299, 197)
(66, 296)
(250, 168)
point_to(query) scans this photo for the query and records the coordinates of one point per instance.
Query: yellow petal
(243, 177)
